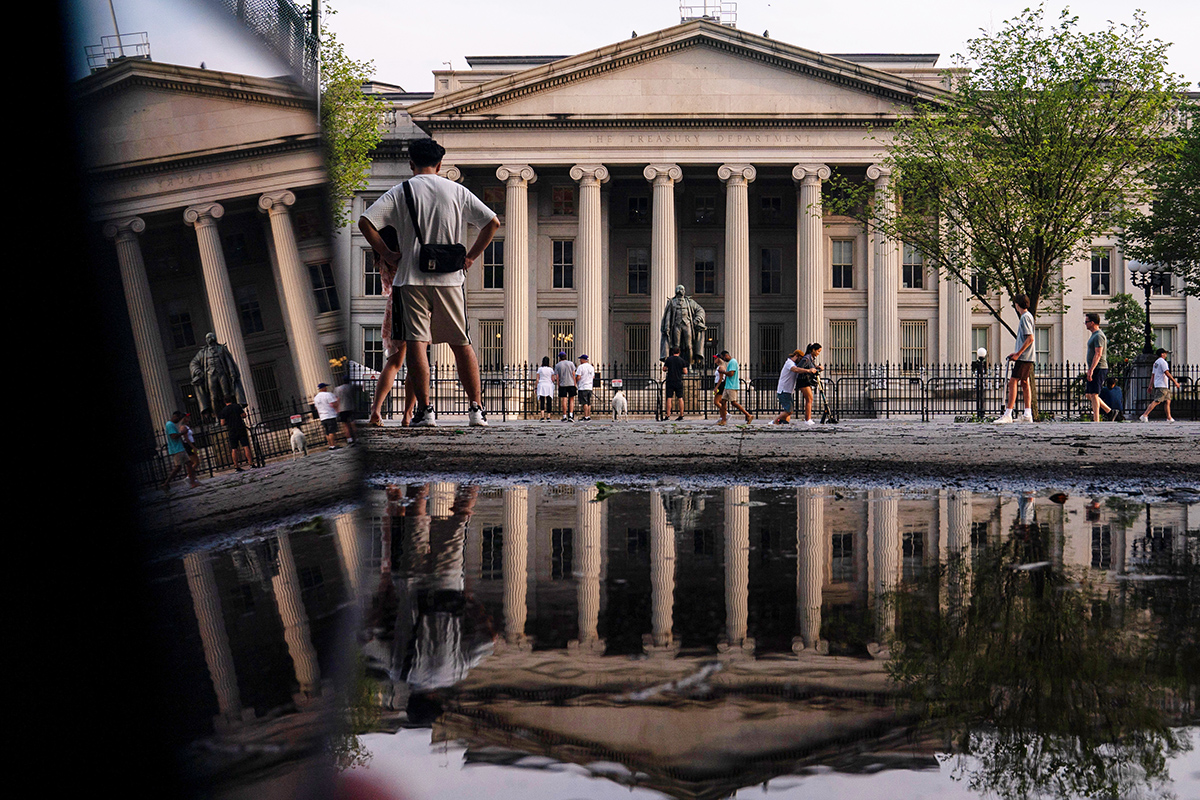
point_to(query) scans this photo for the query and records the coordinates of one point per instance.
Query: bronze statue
(682, 326)
(216, 376)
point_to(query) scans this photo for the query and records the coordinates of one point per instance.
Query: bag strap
(412, 212)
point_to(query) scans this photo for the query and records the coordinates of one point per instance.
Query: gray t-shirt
(443, 209)
(1098, 342)
(565, 370)
(1025, 330)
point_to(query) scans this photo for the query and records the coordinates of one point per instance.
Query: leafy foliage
(1171, 232)
(1125, 327)
(1037, 149)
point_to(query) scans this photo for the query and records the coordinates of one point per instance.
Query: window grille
(266, 387)
(770, 345)
(712, 341)
(637, 344)
(913, 342)
(491, 343)
(562, 339)
(843, 336)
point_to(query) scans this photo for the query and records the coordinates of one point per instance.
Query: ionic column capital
(737, 173)
(588, 174)
(516, 174)
(203, 214)
(810, 173)
(124, 228)
(451, 173)
(879, 173)
(663, 174)
(276, 201)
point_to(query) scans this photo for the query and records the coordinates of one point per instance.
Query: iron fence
(862, 391)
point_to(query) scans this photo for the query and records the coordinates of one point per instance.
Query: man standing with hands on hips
(1022, 363)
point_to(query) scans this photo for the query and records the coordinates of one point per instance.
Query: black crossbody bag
(434, 258)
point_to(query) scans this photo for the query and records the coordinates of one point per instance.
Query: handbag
(434, 258)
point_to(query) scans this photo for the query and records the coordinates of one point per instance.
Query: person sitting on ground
(1113, 397)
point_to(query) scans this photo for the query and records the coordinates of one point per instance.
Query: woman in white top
(545, 388)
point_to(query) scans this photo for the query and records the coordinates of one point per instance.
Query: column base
(587, 647)
(819, 648)
(735, 650)
(517, 644)
(664, 650)
(879, 652)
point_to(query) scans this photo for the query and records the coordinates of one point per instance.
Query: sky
(407, 41)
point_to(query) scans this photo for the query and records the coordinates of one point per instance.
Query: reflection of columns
(810, 254)
(885, 540)
(737, 179)
(810, 570)
(206, 601)
(590, 274)
(286, 583)
(958, 545)
(152, 359)
(589, 640)
(350, 548)
(883, 296)
(737, 571)
(310, 356)
(663, 246)
(222, 308)
(516, 568)
(516, 261)
(661, 641)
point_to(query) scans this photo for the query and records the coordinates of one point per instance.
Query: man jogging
(1022, 363)
(430, 307)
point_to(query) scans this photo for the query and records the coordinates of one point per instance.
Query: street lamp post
(1147, 277)
(979, 366)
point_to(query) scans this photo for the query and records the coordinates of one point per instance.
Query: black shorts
(1022, 370)
(566, 391)
(239, 438)
(585, 397)
(330, 425)
(674, 389)
(1093, 386)
(345, 416)
(545, 402)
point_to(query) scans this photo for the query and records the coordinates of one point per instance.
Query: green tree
(1037, 149)
(1170, 234)
(1125, 327)
(350, 122)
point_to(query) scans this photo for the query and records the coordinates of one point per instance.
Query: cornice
(309, 142)
(180, 85)
(596, 123)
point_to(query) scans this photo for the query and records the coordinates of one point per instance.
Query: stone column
(737, 572)
(810, 254)
(885, 540)
(296, 631)
(737, 178)
(958, 546)
(589, 329)
(206, 602)
(958, 320)
(588, 641)
(516, 567)
(810, 571)
(350, 548)
(664, 272)
(152, 358)
(222, 308)
(311, 360)
(517, 178)
(661, 641)
(884, 288)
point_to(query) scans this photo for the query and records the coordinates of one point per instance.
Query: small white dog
(299, 443)
(620, 405)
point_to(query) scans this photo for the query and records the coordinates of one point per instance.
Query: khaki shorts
(730, 395)
(436, 314)
(1160, 395)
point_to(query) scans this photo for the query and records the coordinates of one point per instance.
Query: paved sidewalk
(1158, 453)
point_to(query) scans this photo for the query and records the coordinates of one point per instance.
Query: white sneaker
(424, 418)
(1143, 418)
(477, 417)
(1027, 417)
(809, 422)
(1003, 419)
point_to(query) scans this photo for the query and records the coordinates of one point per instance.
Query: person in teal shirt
(732, 384)
(178, 452)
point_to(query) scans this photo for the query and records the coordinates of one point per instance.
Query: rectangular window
(705, 260)
(913, 342)
(373, 347)
(1165, 338)
(712, 341)
(1102, 272)
(493, 265)
(912, 552)
(562, 553)
(638, 260)
(563, 201)
(248, 309)
(842, 251)
(706, 209)
(842, 568)
(702, 542)
(493, 198)
(324, 289)
(1163, 285)
(492, 541)
(637, 344)
(979, 338)
(491, 343)
(979, 284)
(770, 345)
(637, 542)
(179, 318)
(564, 264)
(771, 210)
(372, 280)
(843, 335)
(913, 268)
(562, 339)
(1101, 546)
(771, 264)
(1041, 347)
(639, 210)
(267, 388)
(190, 404)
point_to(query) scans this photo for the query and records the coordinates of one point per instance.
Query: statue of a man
(682, 326)
(215, 375)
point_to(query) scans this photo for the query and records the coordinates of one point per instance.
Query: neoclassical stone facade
(209, 188)
(701, 155)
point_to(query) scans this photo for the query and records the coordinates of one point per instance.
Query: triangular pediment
(142, 113)
(698, 70)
